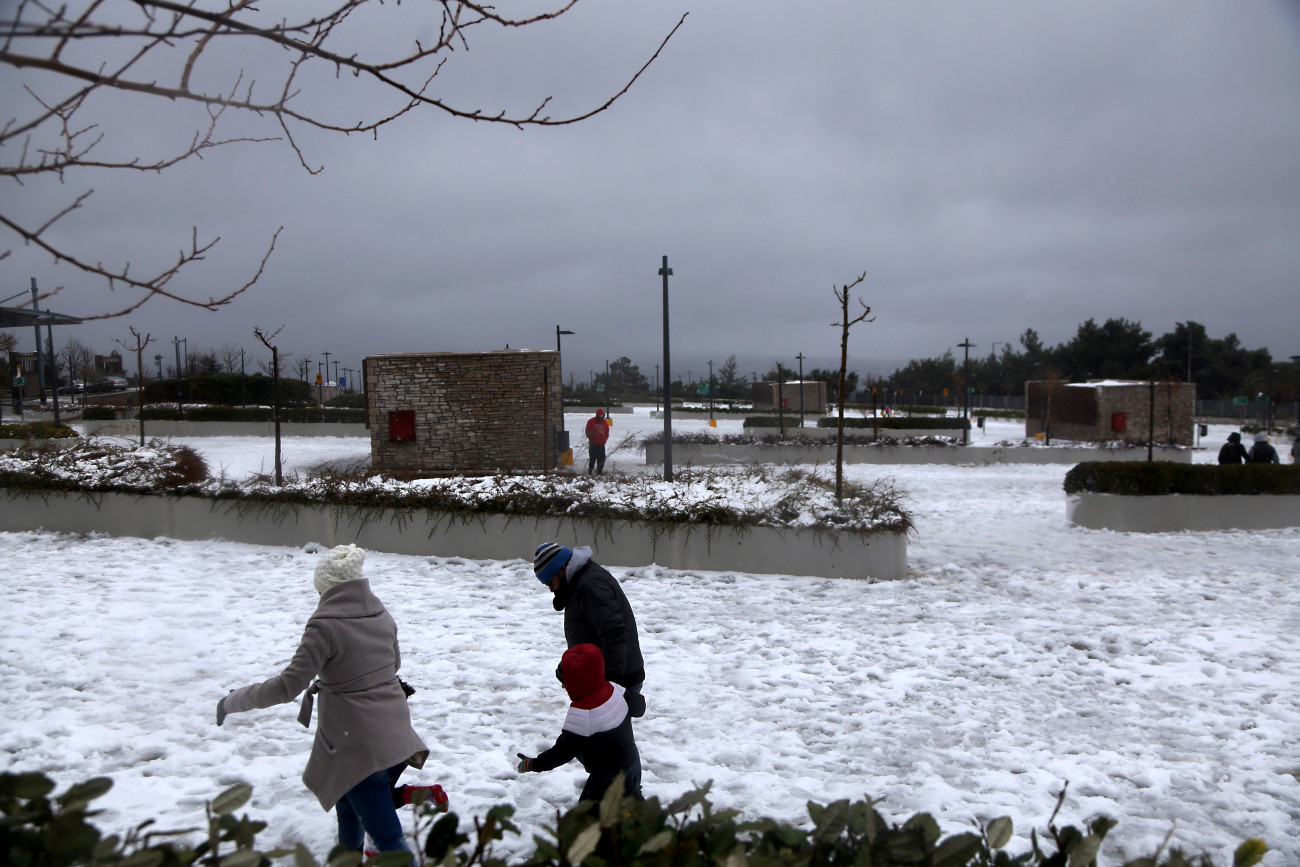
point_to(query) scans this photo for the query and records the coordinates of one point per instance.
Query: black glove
(635, 705)
(525, 763)
(406, 688)
(221, 711)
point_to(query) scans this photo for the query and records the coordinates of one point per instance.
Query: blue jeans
(367, 808)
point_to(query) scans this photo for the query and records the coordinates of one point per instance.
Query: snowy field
(1159, 675)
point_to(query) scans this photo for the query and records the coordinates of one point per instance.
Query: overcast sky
(991, 167)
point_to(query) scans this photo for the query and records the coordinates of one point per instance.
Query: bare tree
(301, 368)
(80, 361)
(280, 75)
(138, 349)
(229, 355)
(275, 391)
(842, 296)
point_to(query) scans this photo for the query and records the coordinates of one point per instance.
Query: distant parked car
(100, 386)
(74, 387)
(119, 383)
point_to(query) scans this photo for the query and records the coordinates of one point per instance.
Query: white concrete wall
(1172, 513)
(830, 432)
(881, 556)
(165, 429)
(699, 454)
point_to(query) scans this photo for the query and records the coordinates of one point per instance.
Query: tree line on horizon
(1221, 368)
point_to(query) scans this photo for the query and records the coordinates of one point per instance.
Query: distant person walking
(1261, 452)
(597, 436)
(1233, 452)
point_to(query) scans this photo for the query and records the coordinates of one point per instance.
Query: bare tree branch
(82, 56)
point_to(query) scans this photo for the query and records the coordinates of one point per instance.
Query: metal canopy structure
(17, 317)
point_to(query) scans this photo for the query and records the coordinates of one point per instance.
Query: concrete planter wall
(1172, 513)
(166, 429)
(881, 556)
(829, 433)
(700, 454)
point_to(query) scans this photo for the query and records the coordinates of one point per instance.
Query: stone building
(451, 413)
(1112, 410)
(813, 393)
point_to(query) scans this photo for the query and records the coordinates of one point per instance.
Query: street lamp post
(800, 357)
(665, 272)
(965, 389)
(710, 389)
(320, 388)
(558, 332)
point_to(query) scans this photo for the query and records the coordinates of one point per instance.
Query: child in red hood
(597, 730)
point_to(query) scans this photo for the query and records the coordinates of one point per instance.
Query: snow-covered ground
(1159, 675)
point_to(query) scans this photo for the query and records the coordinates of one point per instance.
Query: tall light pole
(320, 388)
(336, 374)
(666, 272)
(800, 357)
(327, 364)
(558, 332)
(710, 389)
(965, 389)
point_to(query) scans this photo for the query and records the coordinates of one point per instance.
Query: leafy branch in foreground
(36, 829)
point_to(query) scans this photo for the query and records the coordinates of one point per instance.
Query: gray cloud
(992, 167)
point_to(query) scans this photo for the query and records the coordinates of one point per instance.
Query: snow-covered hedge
(750, 496)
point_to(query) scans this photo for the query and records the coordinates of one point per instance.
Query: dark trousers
(596, 458)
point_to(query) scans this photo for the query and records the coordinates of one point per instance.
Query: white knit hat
(338, 565)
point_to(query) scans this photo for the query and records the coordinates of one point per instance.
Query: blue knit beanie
(549, 559)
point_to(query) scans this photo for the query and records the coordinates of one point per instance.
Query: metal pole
(560, 371)
(710, 389)
(800, 357)
(180, 400)
(965, 391)
(666, 272)
(243, 395)
(54, 389)
(40, 353)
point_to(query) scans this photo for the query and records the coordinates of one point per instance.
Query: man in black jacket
(1233, 452)
(595, 612)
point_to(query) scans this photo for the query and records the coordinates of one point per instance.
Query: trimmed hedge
(296, 414)
(38, 430)
(615, 831)
(227, 389)
(896, 423)
(1153, 478)
(98, 413)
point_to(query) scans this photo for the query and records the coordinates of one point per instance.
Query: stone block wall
(450, 413)
(814, 396)
(1087, 411)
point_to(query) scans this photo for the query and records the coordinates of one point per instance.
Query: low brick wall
(1173, 513)
(763, 550)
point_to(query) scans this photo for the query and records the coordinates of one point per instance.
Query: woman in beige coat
(364, 739)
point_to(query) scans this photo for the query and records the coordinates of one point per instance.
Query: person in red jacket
(597, 436)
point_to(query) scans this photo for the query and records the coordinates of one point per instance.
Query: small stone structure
(1112, 410)
(813, 391)
(453, 413)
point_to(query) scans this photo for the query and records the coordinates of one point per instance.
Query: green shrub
(255, 413)
(771, 420)
(999, 413)
(688, 832)
(98, 413)
(227, 390)
(1149, 478)
(896, 423)
(347, 400)
(38, 430)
